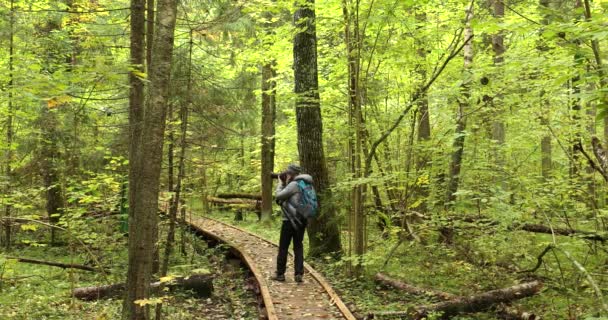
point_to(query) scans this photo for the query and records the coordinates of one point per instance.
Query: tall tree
(9, 125)
(136, 287)
(353, 51)
(268, 132)
(143, 226)
(545, 143)
(323, 232)
(461, 122)
(498, 47)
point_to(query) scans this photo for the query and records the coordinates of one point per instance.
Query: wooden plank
(270, 311)
(317, 276)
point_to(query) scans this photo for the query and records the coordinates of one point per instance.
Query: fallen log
(54, 264)
(503, 311)
(476, 303)
(539, 228)
(244, 202)
(201, 285)
(386, 280)
(252, 196)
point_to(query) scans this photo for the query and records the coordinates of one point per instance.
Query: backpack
(308, 206)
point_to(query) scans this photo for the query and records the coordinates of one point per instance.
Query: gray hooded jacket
(289, 198)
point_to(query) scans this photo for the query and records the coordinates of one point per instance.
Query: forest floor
(475, 267)
(45, 291)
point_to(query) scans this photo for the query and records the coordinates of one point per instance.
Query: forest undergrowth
(36, 292)
(487, 258)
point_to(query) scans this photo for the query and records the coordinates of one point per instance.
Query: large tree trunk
(268, 131)
(143, 223)
(324, 236)
(458, 147)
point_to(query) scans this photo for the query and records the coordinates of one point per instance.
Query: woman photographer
(293, 227)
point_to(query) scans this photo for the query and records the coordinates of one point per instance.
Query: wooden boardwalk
(312, 299)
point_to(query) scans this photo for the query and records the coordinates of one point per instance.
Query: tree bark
(9, 128)
(137, 286)
(202, 285)
(324, 235)
(268, 132)
(143, 226)
(498, 126)
(446, 233)
(477, 302)
(353, 51)
(50, 165)
(545, 143)
(424, 124)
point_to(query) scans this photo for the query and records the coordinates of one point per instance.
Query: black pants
(288, 232)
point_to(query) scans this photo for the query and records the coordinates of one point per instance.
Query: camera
(280, 175)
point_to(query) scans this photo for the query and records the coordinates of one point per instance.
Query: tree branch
(417, 95)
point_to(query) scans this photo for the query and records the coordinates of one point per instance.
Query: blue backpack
(309, 206)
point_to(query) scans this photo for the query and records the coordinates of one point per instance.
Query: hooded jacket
(289, 198)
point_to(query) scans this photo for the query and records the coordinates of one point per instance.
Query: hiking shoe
(279, 277)
(298, 278)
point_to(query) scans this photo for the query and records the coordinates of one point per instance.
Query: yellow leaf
(139, 74)
(167, 278)
(29, 227)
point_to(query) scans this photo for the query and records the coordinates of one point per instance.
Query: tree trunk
(143, 226)
(9, 128)
(352, 41)
(458, 146)
(498, 126)
(424, 125)
(545, 143)
(324, 235)
(176, 198)
(50, 165)
(268, 132)
(149, 34)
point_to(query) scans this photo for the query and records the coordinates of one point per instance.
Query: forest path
(312, 299)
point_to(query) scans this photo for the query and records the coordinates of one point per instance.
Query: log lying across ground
(386, 280)
(539, 228)
(55, 264)
(202, 285)
(476, 303)
(492, 298)
(251, 196)
(220, 201)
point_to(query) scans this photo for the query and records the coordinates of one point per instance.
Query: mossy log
(201, 285)
(476, 303)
